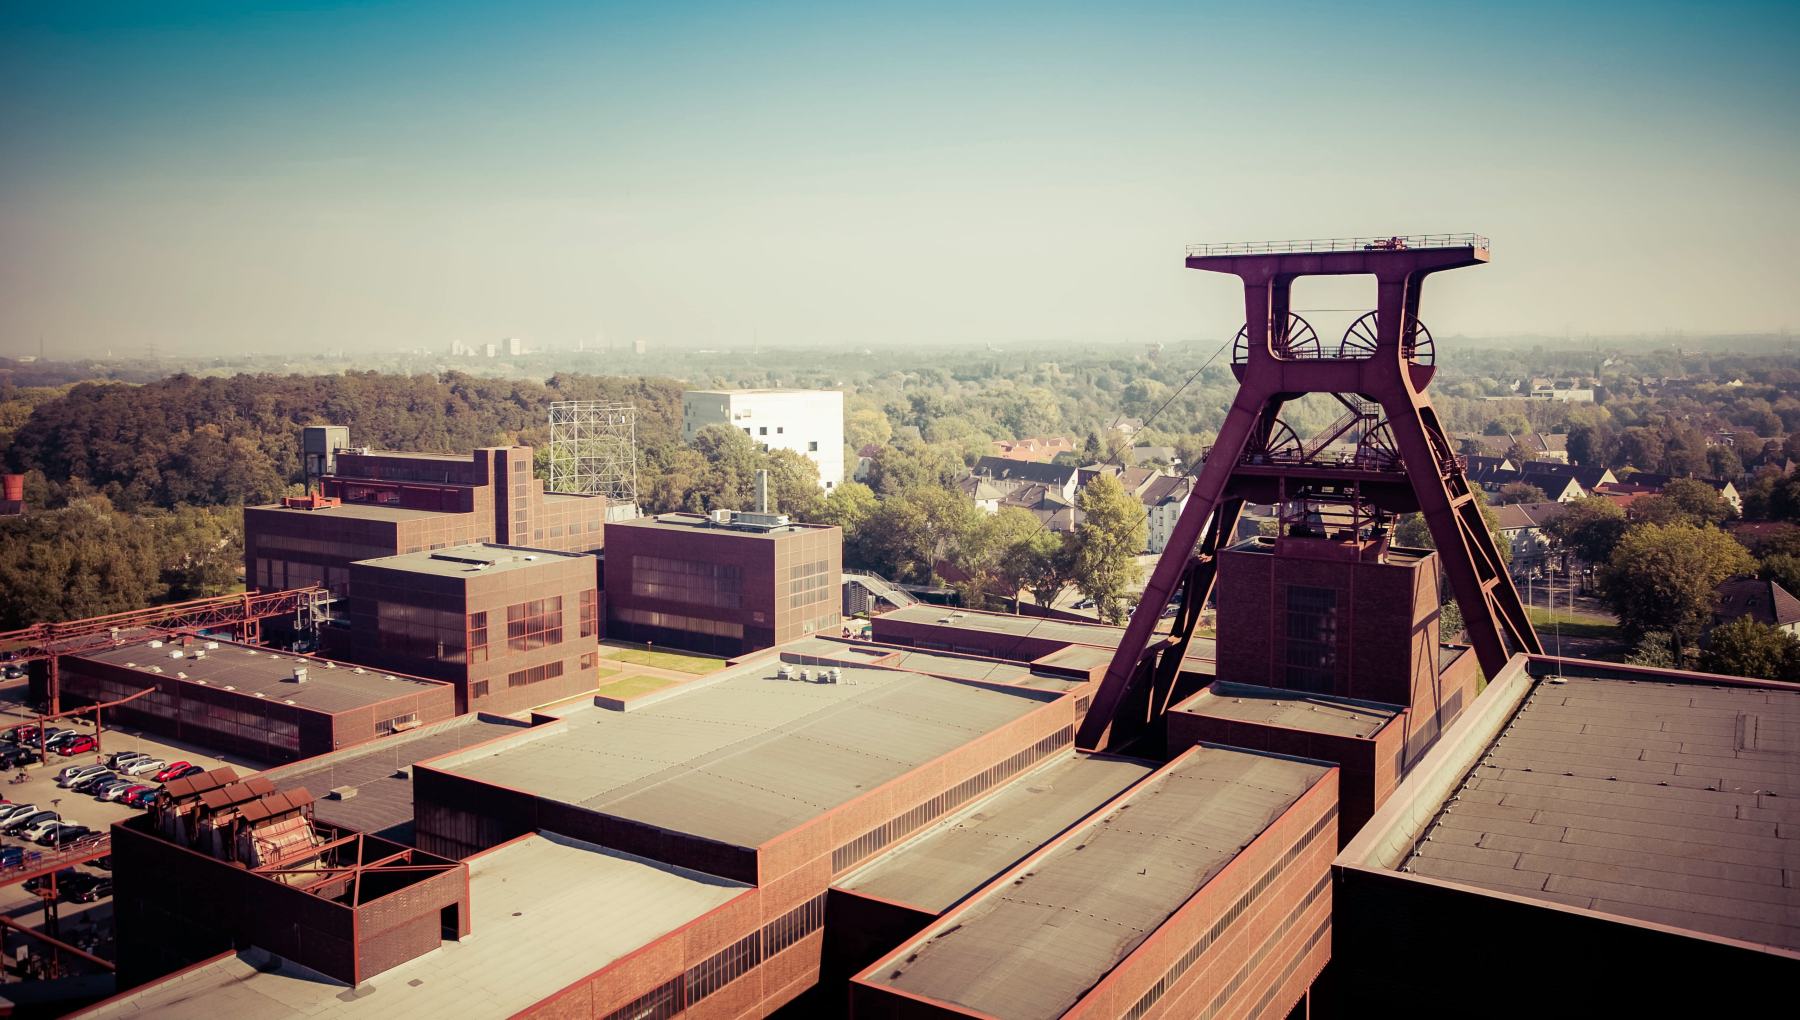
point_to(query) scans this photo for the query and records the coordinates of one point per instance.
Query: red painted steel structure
(1386, 358)
(242, 613)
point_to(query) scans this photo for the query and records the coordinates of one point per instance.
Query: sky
(236, 176)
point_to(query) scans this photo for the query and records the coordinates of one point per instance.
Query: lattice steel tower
(593, 449)
(1402, 462)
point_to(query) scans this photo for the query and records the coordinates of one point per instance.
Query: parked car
(15, 757)
(103, 863)
(36, 831)
(20, 734)
(144, 767)
(191, 770)
(12, 811)
(12, 671)
(43, 881)
(76, 773)
(135, 796)
(148, 799)
(112, 789)
(169, 773)
(91, 891)
(14, 826)
(11, 857)
(88, 784)
(79, 745)
(53, 734)
(66, 834)
(118, 758)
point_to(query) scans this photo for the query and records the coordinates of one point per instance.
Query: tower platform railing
(1396, 242)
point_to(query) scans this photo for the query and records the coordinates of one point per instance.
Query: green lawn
(1581, 625)
(696, 664)
(632, 686)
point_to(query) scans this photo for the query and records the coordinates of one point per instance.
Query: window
(813, 446)
(478, 637)
(478, 689)
(590, 612)
(763, 431)
(1311, 653)
(534, 624)
(590, 660)
(690, 581)
(535, 675)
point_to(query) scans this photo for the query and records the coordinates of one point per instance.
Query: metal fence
(1396, 242)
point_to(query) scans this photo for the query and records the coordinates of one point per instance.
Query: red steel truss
(1405, 463)
(242, 613)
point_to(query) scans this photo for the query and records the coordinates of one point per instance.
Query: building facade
(809, 422)
(724, 584)
(509, 627)
(385, 504)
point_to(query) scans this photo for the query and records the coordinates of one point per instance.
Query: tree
(85, 559)
(1745, 647)
(1109, 538)
(793, 485)
(728, 481)
(1589, 527)
(1520, 492)
(1662, 577)
(848, 506)
(1046, 565)
(1686, 501)
(1412, 532)
(986, 551)
(866, 426)
(1783, 569)
(1723, 462)
(910, 465)
(1592, 445)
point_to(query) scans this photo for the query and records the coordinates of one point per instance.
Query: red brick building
(266, 705)
(725, 584)
(509, 627)
(384, 504)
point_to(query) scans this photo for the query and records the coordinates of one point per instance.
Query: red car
(169, 773)
(76, 746)
(135, 796)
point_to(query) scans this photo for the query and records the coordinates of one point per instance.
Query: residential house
(1164, 499)
(1765, 602)
(1034, 448)
(1524, 524)
(1061, 479)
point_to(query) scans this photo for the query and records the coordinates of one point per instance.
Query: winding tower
(1402, 461)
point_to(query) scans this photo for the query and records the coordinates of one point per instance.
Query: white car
(8, 812)
(124, 758)
(36, 832)
(72, 776)
(144, 766)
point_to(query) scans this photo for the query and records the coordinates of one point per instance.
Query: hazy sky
(236, 175)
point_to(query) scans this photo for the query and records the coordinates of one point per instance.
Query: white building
(805, 421)
(515, 346)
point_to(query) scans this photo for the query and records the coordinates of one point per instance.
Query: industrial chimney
(762, 492)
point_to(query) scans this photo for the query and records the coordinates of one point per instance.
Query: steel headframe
(593, 449)
(1137, 682)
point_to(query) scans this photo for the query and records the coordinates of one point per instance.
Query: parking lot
(82, 923)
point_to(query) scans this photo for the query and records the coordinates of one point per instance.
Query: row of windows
(691, 581)
(813, 569)
(535, 675)
(676, 621)
(1256, 961)
(698, 982)
(534, 624)
(1238, 909)
(951, 799)
(817, 623)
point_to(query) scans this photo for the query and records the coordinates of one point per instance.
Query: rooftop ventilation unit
(202, 683)
(359, 671)
(212, 646)
(784, 673)
(156, 669)
(181, 676)
(258, 694)
(288, 701)
(131, 665)
(156, 644)
(719, 516)
(299, 676)
(228, 687)
(199, 654)
(330, 665)
(175, 653)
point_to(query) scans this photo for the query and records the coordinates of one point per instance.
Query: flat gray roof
(1033, 947)
(1098, 634)
(936, 663)
(1294, 710)
(952, 859)
(253, 671)
(547, 911)
(384, 801)
(1672, 803)
(471, 560)
(358, 511)
(687, 524)
(743, 756)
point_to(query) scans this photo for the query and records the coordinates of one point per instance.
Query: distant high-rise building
(805, 421)
(515, 346)
(639, 346)
(490, 350)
